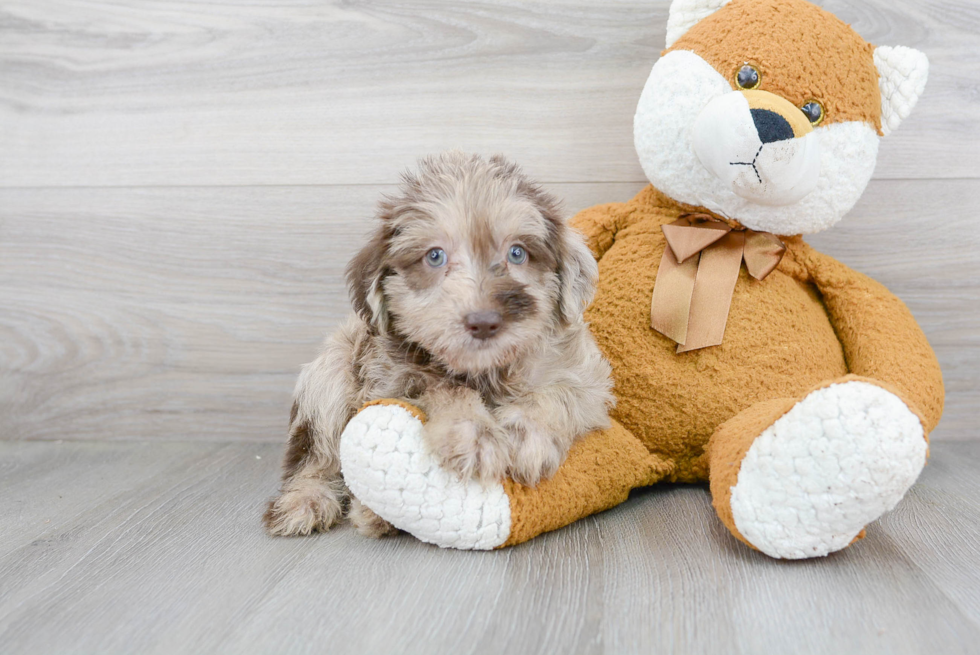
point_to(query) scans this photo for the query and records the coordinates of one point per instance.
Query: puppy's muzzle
(483, 325)
(760, 145)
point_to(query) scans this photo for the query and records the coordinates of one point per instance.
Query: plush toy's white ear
(902, 75)
(684, 14)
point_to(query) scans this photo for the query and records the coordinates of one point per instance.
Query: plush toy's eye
(748, 77)
(814, 112)
(436, 257)
(517, 255)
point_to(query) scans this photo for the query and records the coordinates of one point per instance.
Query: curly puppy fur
(505, 403)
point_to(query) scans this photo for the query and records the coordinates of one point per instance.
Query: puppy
(468, 303)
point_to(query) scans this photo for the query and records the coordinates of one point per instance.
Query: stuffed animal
(800, 389)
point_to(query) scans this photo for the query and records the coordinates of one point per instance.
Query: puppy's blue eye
(436, 257)
(517, 255)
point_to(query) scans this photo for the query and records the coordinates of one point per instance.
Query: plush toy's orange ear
(684, 14)
(902, 75)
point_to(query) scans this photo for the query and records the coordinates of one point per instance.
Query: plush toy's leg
(387, 467)
(800, 478)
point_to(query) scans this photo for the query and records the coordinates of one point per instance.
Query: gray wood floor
(181, 185)
(155, 547)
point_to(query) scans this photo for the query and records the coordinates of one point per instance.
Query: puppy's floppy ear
(578, 273)
(577, 269)
(365, 275)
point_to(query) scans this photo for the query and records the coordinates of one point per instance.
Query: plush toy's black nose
(771, 126)
(483, 325)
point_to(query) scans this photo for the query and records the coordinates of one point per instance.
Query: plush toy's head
(769, 112)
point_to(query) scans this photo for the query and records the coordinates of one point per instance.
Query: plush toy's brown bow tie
(692, 295)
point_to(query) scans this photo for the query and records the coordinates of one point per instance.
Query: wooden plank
(96, 93)
(157, 548)
(129, 535)
(948, 530)
(186, 313)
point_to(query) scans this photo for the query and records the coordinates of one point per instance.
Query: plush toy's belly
(778, 343)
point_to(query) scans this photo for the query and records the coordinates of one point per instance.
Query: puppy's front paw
(537, 454)
(367, 522)
(303, 507)
(536, 460)
(468, 448)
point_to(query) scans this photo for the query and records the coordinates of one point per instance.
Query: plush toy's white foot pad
(387, 467)
(838, 460)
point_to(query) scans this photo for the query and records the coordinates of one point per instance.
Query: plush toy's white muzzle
(754, 144)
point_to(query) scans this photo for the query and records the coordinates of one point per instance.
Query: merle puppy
(468, 303)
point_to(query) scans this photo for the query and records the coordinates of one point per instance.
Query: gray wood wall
(181, 184)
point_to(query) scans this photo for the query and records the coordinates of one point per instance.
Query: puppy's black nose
(483, 325)
(771, 126)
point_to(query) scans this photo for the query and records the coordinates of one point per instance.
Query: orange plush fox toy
(801, 389)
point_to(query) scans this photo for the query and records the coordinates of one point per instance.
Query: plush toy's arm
(880, 336)
(388, 468)
(599, 225)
